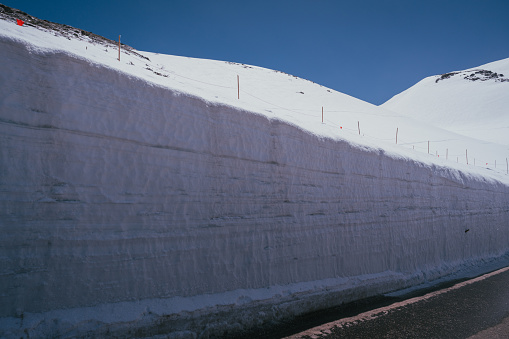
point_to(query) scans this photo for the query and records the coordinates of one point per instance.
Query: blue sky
(369, 49)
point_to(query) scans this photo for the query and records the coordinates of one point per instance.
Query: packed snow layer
(127, 206)
(471, 102)
(143, 195)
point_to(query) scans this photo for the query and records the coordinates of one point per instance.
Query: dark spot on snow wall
(474, 75)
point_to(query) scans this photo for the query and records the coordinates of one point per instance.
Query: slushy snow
(192, 198)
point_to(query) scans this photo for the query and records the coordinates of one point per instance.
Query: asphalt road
(476, 309)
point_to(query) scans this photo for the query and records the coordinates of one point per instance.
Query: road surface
(475, 309)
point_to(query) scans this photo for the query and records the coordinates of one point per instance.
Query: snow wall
(128, 209)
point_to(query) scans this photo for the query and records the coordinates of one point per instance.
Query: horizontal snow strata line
(146, 144)
(131, 141)
(442, 183)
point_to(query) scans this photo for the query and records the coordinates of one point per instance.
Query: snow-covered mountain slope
(473, 102)
(150, 195)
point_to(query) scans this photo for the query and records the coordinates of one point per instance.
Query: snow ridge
(472, 102)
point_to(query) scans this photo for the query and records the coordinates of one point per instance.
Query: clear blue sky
(369, 49)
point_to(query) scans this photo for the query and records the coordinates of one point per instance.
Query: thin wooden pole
(238, 87)
(359, 127)
(119, 48)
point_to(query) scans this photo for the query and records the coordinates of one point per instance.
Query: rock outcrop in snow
(132, 208)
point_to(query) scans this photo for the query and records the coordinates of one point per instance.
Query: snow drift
(133, 208)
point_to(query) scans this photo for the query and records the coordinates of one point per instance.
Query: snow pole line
(292, 110)
(119, 47)
(396, 135)
(295, 111)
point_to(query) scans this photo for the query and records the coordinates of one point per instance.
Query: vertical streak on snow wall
(112, 189)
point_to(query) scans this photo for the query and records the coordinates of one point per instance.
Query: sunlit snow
(213, 196)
